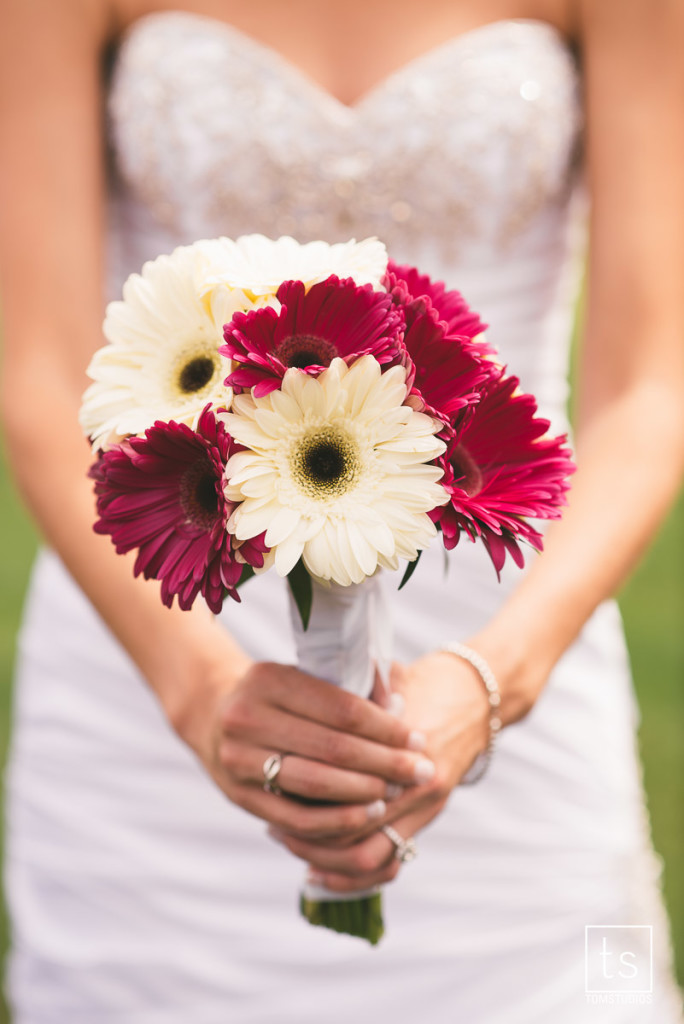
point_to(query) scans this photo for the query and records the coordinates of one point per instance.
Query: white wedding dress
(139, 894)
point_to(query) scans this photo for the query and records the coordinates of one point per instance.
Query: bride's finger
(311, 698)
(310, 822)
(302, 777)
(276, 730)
(365, 858)
(345, 883)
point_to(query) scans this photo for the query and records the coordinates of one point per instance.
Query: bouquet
(321, 412)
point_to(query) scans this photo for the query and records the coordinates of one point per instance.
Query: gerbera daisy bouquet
(321, 412)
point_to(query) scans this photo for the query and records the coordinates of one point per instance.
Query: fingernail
(417, 740)
(276, 833)
(396, 705)
(392, 790)
(423, 770)
(376, 809)
(313, 878)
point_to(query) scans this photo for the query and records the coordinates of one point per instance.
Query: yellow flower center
(325, 462)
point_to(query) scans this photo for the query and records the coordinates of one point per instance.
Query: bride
(465, 136)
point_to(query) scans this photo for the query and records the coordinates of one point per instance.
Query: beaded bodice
(462, 161)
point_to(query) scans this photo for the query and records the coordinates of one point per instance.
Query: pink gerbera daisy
(333, 318)
(416, 292)
(501, 469)
(446, 373)
(163, 494)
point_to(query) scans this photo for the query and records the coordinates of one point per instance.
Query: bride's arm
(630, 430)
(51, 228)
(630, 425)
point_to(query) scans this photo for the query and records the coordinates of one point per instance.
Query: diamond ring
(405, 850)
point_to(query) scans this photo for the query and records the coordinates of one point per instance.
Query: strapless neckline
(267, 55)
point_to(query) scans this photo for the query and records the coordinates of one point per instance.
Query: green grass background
(653, 607)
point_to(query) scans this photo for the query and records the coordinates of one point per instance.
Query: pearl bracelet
(483, 760)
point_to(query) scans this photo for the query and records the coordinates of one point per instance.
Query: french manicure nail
(393, 790)
(276, 833)
(396, 705)
(423, 770)
(417, 740)
(313, 878)
(376, 809)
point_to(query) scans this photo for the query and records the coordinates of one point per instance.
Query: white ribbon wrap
(348, 641)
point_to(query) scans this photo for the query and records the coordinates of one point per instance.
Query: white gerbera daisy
(336, 471)
(259, 265)
(163, 360)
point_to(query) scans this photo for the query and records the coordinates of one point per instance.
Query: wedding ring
(405, 850)
(271, 771)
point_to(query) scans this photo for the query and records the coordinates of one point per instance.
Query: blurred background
(653, 608)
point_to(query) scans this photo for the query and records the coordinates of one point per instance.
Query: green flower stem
(361, 917)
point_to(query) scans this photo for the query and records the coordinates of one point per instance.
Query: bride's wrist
(520, 673)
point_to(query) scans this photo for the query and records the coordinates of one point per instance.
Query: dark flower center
(467, 473)
(302, 350)
(326, 463)
(199, 497)
(196, 374)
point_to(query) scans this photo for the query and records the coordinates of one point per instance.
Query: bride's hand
(445, 700)
(340, 749)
